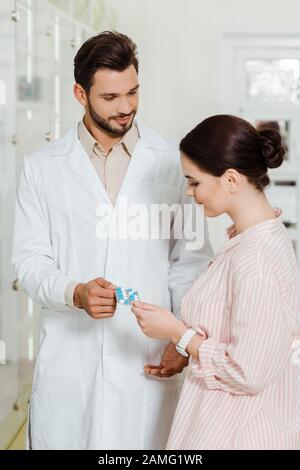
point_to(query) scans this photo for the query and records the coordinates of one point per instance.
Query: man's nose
(124, 106)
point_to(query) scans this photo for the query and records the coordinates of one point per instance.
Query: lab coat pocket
(60, 252)
(55, 347)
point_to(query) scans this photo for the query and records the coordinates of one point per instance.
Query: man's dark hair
(108, 50)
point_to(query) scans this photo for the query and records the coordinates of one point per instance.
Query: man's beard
(104, 124)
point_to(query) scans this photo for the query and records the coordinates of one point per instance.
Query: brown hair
(108, 50)
(223, 141)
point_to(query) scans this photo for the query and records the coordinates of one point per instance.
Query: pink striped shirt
(244, 391)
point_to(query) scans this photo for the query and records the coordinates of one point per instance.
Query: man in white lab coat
(71, 249)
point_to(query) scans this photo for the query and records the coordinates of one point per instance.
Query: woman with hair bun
(240, 319)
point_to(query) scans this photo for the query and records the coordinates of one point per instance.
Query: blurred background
(197, 58)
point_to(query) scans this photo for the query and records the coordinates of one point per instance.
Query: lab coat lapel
(142, 159)
(78, 161)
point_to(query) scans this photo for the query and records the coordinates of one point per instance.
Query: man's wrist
(77, 295)
(69, 293)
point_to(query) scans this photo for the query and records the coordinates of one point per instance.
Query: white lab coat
(89, 389)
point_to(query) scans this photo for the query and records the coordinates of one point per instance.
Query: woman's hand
(157, 322)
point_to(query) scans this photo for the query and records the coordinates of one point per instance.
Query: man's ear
(80, 94)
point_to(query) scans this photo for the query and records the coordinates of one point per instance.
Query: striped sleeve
(260, 342)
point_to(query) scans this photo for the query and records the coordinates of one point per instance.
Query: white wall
(178, 43)
(179, 51)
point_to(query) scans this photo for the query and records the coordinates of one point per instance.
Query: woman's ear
(231, 180)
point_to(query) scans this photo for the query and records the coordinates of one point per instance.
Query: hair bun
(272, 149)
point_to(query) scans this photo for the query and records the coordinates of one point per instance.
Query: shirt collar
(129, 140)
(233, 239)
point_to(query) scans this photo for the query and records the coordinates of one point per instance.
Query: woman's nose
(189, 192)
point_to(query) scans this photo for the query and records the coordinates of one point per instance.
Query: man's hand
(171, 363)
(96, 297)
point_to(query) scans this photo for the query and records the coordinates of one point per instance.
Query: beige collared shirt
(111, 169)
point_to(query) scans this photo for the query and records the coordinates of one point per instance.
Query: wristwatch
(184, 341)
